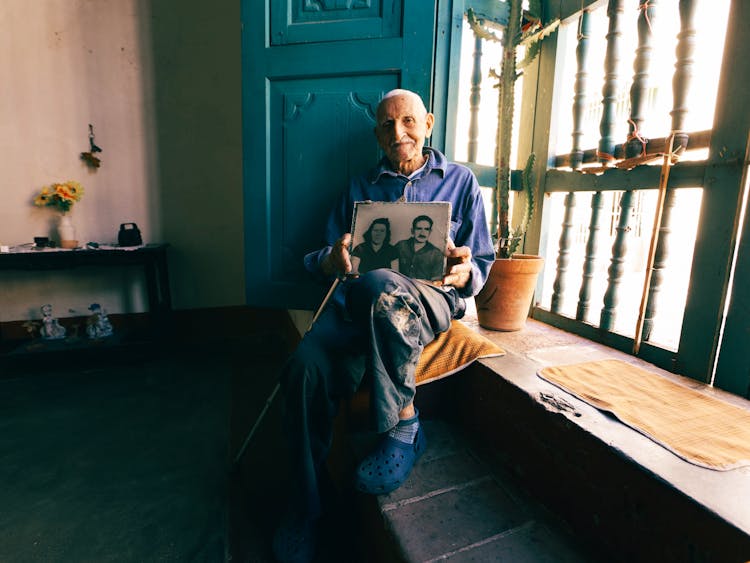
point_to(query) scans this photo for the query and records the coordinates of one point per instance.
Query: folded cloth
(699, 427)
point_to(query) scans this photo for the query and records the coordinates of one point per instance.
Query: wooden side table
(153, 258)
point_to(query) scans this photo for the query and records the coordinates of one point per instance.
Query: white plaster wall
(67, 63)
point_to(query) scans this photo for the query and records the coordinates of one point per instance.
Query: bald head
(403, 124)
(397, 92)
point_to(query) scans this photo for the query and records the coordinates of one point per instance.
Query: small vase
(67, 232)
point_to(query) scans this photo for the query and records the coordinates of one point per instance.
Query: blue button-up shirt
(439, 180)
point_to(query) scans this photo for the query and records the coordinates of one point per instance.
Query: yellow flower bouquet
(60, 196)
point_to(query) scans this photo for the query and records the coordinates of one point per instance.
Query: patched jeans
(387, 321)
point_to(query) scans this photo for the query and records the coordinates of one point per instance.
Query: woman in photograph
(377, 250)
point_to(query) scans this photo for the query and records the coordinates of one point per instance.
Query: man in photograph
(377, 323)
(417, 257)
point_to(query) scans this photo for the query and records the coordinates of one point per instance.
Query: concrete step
(456, 506)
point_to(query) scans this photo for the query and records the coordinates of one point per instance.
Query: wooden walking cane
(663, 180)
(277, 387)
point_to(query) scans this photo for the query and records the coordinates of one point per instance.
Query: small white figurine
(51, 328)
(98, 325)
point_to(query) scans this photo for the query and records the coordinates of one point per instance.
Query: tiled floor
(115, 461)
(132, 460)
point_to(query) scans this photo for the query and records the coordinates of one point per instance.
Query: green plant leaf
(479, 30)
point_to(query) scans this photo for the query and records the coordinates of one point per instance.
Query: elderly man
(377, 323)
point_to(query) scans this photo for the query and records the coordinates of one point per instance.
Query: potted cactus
(504, 302)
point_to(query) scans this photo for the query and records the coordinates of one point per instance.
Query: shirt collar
(435, 161)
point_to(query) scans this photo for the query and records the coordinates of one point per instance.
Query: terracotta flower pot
(504, 302)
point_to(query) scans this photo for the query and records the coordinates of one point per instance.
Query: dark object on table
(129, 235)
(41, 242)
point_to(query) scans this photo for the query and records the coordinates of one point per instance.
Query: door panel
(308, 118)
(324, 133)
(311, 21)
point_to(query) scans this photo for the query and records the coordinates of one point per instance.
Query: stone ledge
(622, 494)
(604, 478)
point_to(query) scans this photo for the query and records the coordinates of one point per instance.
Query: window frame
(721, 176)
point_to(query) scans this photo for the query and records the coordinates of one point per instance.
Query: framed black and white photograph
(407, 237)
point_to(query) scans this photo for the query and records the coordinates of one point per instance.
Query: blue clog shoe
(389, 465)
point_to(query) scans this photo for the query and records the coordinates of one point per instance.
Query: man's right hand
(458, 265)
(338, 263)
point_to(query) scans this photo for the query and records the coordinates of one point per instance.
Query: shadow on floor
(132, 460)
(258, 481)
(115, 462)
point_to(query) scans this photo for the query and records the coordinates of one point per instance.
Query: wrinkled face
(377, 234)
(402, 127)
(421, 231)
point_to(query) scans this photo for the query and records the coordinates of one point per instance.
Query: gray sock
(405, 430)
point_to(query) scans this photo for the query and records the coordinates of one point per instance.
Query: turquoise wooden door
(313, 72)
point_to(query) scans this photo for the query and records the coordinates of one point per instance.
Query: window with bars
(622, 81)
(628, 69)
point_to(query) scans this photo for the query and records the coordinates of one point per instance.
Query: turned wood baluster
(609, 90)
(579, 89)
(563, 256)
(683, 74)
(474, 100)
(606, 151)
(579, 102)
(680, 85)
(616, 267)
(660, 261)
(589, 263)
(639, 88)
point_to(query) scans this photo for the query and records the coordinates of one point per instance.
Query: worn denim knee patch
(399, 308)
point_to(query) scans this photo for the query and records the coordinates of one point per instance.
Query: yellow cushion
(453, 350)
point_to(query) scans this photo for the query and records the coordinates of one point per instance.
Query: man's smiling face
(403, 124)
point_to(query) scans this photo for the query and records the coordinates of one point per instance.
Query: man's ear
(429, 121)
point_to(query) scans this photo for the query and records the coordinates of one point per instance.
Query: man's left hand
(458, 267)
